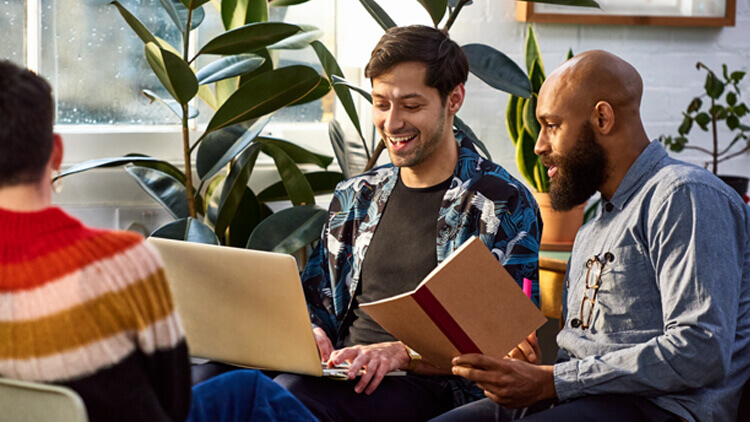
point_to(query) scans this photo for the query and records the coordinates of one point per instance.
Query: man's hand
(325, 347)
(528, 350)
(376, 359)
(509, 382)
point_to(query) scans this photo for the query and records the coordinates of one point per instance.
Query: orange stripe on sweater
(43, 269)
(132, 309)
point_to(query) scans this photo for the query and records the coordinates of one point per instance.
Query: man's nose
(542, 144)
(393, 120)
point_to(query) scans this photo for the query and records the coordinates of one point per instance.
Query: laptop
(243, 307)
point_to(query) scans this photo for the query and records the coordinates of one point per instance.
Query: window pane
(12, 30)
(96, 63)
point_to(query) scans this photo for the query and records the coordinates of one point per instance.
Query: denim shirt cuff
(567, 385)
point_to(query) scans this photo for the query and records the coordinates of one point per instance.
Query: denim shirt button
(609, 207)
(575, 322)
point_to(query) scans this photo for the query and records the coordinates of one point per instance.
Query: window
(97, 69)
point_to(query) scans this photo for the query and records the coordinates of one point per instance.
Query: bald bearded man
(657, 295)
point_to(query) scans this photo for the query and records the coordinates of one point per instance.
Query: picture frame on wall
(633, 12)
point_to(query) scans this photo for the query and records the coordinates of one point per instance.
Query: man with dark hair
(656, 302)
(389, 227)
(22, 160)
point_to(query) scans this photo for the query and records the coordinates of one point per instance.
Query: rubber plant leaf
(194, 4)
(322, 182)
(248, 38)
(220, 147)
(332, 68)
(236, 13)
(497, 70)
(229, 67)
(173, 72)
(289, 230)
(377, 13)
(172, 105)
(298, 41)
(143, 33)
(280, 3)
(234, 187)
(162, 166)
(106, 163)
(459, 124)
(165, 189)
(265, 94)
(188, 229)
(297, 187)
(298, 154)
(436, 9)
(320, 91)
(179, 14)
(343, 82)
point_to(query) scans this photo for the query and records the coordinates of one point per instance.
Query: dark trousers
(397, 398)
(610, 408)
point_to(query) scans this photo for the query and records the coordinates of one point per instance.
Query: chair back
(23, 401)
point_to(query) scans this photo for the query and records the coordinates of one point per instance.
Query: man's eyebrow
(403, 97)
(548, 117)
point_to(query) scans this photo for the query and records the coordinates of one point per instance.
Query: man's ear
(603, 117)
(456, 99)
(55, 159)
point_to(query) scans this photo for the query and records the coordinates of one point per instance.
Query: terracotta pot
(560, 227)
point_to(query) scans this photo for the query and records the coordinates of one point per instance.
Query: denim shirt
(672, 315)
(483, 200)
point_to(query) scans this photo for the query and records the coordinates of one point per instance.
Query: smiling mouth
(399, 140)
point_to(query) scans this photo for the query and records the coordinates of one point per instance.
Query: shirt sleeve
(695, 242)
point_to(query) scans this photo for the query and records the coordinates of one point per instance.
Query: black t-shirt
(402, 252)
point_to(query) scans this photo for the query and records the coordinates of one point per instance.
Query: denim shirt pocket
(628, 298)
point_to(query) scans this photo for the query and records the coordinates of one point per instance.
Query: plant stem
(454, 15)
(190, 192)
(375, 155)
(703, 150)
(744, 150)
(716, 138)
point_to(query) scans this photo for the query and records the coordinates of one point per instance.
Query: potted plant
(719, 102)
(560, 228)
(210, 200)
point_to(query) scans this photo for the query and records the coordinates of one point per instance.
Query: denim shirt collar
(640, 170)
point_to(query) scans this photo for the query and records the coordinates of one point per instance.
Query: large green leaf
(162, 166)
(377, 13)
(580, 3)
(343, 82)
(225, 88)
(234, 187)
(172, 105)
(510, 118)
(525, 158)
(173, 72)
(540, 176)
(297, 187)
(108, 162)
(247, 217)
(298, 41)
(298, 154)
(436, 9)
(280, 3)
(264, 94)
(319, 92)
(229, 67)
(267, 66)
(220, 147)
(188, 229)
(235, 13)
(193, 4)
(497, 70)
(350, 155)
(289, 230)
(165, 189)
(463, 127)
(143, 33)
(332, 68)
(248, 38)
(530, 123)
(532, 50)
(322, 182)
(536, 77)
(454, 3)
(179, 14)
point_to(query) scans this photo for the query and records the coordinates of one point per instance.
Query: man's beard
(430, 143)
(579, 173)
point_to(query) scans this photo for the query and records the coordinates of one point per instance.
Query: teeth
(401, 139)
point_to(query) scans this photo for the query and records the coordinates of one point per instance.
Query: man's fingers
(477, 361)
(527, 350)
(377, 378)
(340, 356)
(372, 366)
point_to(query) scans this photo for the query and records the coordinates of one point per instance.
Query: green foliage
(520, 118)
(731, 111)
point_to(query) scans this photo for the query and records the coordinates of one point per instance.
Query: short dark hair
(26, 120)
(447, 66)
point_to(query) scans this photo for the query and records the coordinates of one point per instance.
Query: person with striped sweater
(91, 309)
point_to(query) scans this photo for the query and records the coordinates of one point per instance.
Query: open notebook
(242, 307)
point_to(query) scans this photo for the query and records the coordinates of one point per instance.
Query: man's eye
(411, 106)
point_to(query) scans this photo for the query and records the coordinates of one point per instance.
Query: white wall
(665, 57)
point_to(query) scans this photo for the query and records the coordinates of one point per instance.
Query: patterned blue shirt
(672, 315)
(482, 200)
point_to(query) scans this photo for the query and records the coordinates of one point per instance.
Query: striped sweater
(91, 310)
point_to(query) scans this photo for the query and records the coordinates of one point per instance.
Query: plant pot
(560, 227)
(737, 183)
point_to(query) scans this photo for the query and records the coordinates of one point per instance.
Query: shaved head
(589, 109)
